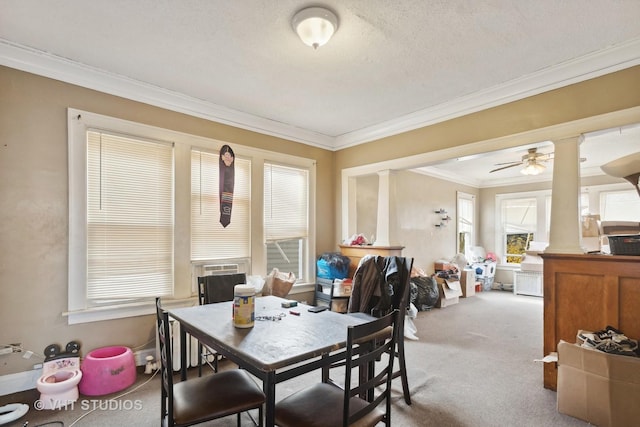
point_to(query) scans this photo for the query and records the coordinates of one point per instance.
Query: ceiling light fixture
(532, 168)
(315, 25)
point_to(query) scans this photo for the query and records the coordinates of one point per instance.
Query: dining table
(284, 342)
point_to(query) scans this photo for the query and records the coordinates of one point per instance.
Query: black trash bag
(424, 292)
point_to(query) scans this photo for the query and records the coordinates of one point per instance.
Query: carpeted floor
(472, 366)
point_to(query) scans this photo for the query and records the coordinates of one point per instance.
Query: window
(206, 231)
(144, 215)
(129, 218)
(622, 205)
(466, 223)
(522, 218)
(286, 213)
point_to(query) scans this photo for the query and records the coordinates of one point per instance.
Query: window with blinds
(286, 213)
(209, 239)
(144, 204)
(129, 217)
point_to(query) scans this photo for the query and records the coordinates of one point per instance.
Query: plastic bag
(332, 265)
(424, 292)
(278, 284)
(256, 281)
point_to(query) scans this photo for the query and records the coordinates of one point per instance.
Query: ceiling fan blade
(506, 167)
(507, 163)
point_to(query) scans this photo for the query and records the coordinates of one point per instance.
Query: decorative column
(564, 234)
(386, 228)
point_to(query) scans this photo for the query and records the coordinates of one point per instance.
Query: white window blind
(209, 239)
(286, 202)
(129, 217)
(619, 205)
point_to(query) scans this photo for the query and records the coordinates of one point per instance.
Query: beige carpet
(473, 365)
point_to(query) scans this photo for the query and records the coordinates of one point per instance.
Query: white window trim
(79, 122)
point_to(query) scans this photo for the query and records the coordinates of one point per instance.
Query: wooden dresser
(355, 253)
(588, 292)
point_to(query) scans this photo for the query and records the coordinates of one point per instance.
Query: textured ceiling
(391, 66)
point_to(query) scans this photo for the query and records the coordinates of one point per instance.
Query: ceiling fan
(532, 162)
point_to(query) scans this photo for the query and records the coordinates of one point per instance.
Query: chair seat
(215, 396)
(321, 406)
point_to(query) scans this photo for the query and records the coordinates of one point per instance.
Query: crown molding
(593, 65)
(596, 64)
(45, 64)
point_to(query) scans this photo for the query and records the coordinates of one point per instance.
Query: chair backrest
(364, 348)
(166, 374)
(219, 287)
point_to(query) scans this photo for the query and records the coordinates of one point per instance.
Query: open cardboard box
(449, 292)
(600, 388)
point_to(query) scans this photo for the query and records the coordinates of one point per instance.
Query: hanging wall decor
(226, 179)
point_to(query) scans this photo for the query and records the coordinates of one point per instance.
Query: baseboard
(20, 381)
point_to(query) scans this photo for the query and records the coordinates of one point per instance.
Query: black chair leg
(403, 372)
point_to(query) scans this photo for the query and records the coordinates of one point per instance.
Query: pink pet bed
(107, 370)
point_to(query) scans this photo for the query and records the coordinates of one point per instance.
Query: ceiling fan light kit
(533, 168)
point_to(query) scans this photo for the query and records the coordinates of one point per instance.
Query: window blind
(286, 202)
(129, 217)
(209, 239)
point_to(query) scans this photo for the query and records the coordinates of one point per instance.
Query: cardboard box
(449, 292)
(600, 388)
(442, 266)
(468, 283)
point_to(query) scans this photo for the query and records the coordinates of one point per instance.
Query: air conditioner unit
(213, 267)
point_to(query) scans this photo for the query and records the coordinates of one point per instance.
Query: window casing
(186, 258)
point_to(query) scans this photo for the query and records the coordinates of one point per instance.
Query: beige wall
(418, 196)
(34, 190)
(34, 208)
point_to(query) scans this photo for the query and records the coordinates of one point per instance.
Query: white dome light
(315, 25)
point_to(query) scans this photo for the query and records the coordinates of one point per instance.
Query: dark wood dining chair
(205, 398)
(211, 289)
(327, 405)
(399, 301)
